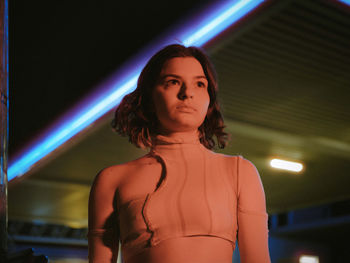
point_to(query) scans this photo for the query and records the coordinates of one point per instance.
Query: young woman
(181, 202)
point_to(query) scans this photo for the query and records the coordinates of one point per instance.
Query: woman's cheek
(205, 108)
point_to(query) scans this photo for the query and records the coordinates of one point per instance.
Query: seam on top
(180, 194)
(237, 178)
(206, 191)
(145, 209)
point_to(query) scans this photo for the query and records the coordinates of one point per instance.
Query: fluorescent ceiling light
(308, 259)
(286, 165)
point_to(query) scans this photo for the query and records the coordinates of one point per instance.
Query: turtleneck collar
(172, 147)
(176, 139)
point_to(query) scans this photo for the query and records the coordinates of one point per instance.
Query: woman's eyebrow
(179, 77)
(170, 75)
(200, 77)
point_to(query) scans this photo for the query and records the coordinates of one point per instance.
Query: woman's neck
(191, 137)
(183, 135)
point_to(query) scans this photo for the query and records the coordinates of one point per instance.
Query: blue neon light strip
(226, 16)
(214, 23)
(345, 1)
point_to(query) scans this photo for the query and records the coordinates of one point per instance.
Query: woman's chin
(183, 124)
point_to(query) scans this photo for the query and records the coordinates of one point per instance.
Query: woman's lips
(185, 108)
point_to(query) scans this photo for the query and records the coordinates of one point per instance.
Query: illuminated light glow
(308, 259)
(345, 1)
(195, 33)
(221, 22)
(66, 132)
(286, 165)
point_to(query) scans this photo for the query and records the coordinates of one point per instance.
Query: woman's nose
(185, 92)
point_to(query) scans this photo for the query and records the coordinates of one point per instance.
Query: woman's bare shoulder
(114, 174)
(225, 156)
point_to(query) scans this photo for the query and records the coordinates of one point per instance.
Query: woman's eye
(201, 84)
(172, 82)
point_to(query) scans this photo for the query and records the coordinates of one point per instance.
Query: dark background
(60, 50)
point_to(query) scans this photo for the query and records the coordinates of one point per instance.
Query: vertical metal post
(3, 124)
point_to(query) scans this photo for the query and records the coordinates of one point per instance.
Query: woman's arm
(103, 236)
(252, 216)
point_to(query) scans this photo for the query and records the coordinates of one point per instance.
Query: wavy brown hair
(135, 116)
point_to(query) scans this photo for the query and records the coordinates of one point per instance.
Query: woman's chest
(176, 198)
(138, 182)
(176, 178)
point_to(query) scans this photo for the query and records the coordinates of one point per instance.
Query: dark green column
(3, 124)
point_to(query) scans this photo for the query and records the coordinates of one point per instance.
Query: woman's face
(181, 96)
